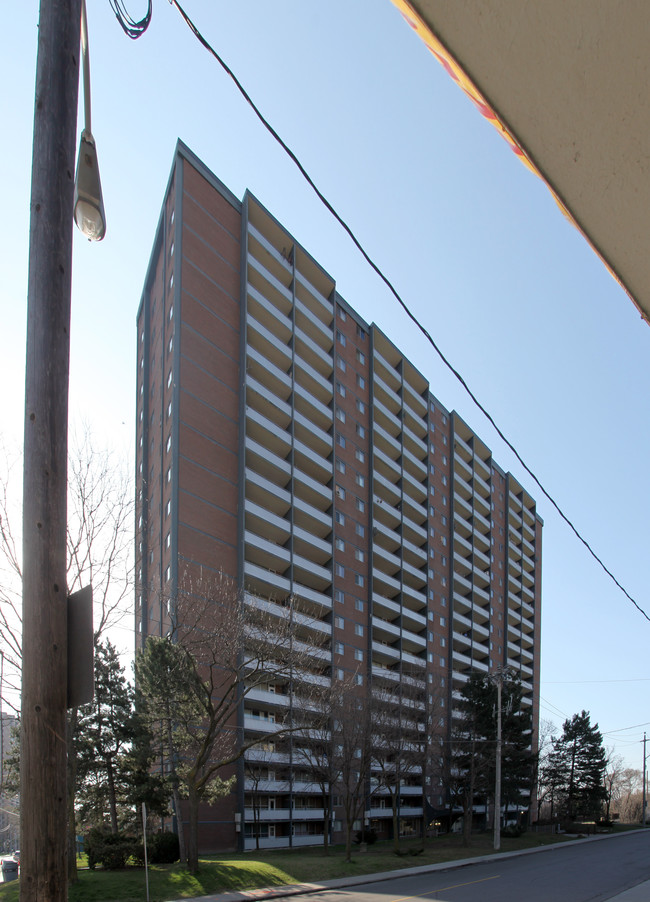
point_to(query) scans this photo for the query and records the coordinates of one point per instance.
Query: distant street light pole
(644, 781)
(499, 675)
(43, 719)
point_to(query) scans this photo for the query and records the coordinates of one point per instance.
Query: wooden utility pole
(43, 833)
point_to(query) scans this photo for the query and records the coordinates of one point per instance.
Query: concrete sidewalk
(640, 893)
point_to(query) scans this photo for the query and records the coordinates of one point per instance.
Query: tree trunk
(175, 794)
(193, 839)
(112, 802)
(179, 820)
(348, 837)
(326, 824)
(394, 800)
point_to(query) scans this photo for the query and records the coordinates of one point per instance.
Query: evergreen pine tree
(577, 764)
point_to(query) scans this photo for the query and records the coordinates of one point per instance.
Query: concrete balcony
(310, 518)
(267, 308)
(263, 581)
(262, 521)
(309, 405)
(312, 353)
(263, 461)
(266, 433)
(314, 327)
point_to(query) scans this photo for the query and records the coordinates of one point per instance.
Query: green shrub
(367, 836)
(164, 848)
(512, 830)
(111, 850)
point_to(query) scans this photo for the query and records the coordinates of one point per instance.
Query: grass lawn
(258, 869)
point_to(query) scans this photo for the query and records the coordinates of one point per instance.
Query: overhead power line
(130, 26)
(396, 295)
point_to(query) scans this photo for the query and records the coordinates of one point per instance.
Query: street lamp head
(88, 202)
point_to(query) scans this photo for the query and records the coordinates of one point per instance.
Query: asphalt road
(585, 872)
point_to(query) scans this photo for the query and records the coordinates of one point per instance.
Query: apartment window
(360, 530)
(432, 489)
(339, 648)
(443, 641)
(340, 414)
(358, 654)
(358, 604)
(361, 382)
(168, 540)
(340, 337)
(359, 681)
(361, 407)
(340, 439)
(341, 364)
(444, 580)
(444, 459)
(171, 281)
(168, 508)
(169, 410)
(432, 469)
(171, 312)
(339, 596)
(169, 379)
(340, 492)
(444, 480)
(361, 357)
(360, 455)
(360, 480)
(443, 621)
(444, 521)
(340, 465)
(358, 629)
(168, 574)
(443, 539)
(444, 501)
(339, 674)
(342, 314)
(361, 505)
(339, 517)
(361, 431)
(444, 420)
(340, 570)
(339, 623)
(171, 249)
(359, 580)
(170, 345)
(359, 555)
(169, 474)
(361, 333)
(340, 389)
(442, 661)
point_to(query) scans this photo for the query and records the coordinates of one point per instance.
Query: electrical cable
(129, 25)
(395, 293)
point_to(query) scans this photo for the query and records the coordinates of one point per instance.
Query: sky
(475, 244)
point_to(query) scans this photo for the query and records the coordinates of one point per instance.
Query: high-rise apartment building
(283, 440)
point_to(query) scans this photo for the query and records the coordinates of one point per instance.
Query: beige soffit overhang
(567, 83)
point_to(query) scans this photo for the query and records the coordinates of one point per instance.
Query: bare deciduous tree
(99, 550)
(225, 646)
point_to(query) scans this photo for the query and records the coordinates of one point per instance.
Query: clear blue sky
(475, 244)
